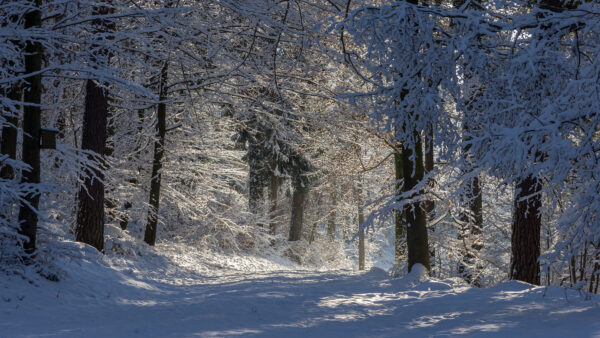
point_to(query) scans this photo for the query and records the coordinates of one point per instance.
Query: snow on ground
(176, 291)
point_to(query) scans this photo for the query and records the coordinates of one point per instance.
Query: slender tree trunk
(313, 232)
(331, 218)
(400, 224)
(255, 184)
(526, 232)
(361, 231)
(429, 205)
(298, 198)
(416, 219)
(476, 207)
(159, 148)
(31, 130)
(273, 190)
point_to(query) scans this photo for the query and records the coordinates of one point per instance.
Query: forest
(372, 147)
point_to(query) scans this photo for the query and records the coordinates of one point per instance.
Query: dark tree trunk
(255, 183)
(361, 231)
(90, 216)
(416, 219)
(429, 205)
(273, 189)
(159, 148)
(331, 218)
(31, 130)
(298, 197)
(400, 224)
(526, 226)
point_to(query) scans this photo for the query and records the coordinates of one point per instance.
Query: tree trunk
(525, 237)
(331, 218)
(361, 231)
(400, 224)
(429, 205)
(159, 148)
(298, 197)
(90, 216)
(31, 130)
(313, 232)
(526, 225)
(273, 189)
(255, 183)
(416, 219)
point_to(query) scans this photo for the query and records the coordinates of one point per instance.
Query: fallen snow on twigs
(175, 291)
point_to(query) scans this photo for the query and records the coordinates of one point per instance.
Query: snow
(177, 291)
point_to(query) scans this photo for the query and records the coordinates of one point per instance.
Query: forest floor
(175, 291)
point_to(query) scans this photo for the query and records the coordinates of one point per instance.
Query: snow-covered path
(174, 301)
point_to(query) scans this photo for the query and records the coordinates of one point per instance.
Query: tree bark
(159, 145)
(416, 219)
(429, 205)
(31, 130)
(361, 231)
(273, 190)
(526, 225)
(255, 183)
(525, 237)
(298, 198)
(331, 217)
(400, 224)
(90, 216)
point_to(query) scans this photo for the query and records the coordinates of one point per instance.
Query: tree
(90, 215)
(399, 222)
(361, 229)
(159, 148)
(417, 242)
(28, 217)
(300, 183)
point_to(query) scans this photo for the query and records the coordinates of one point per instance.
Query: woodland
(460, 137)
